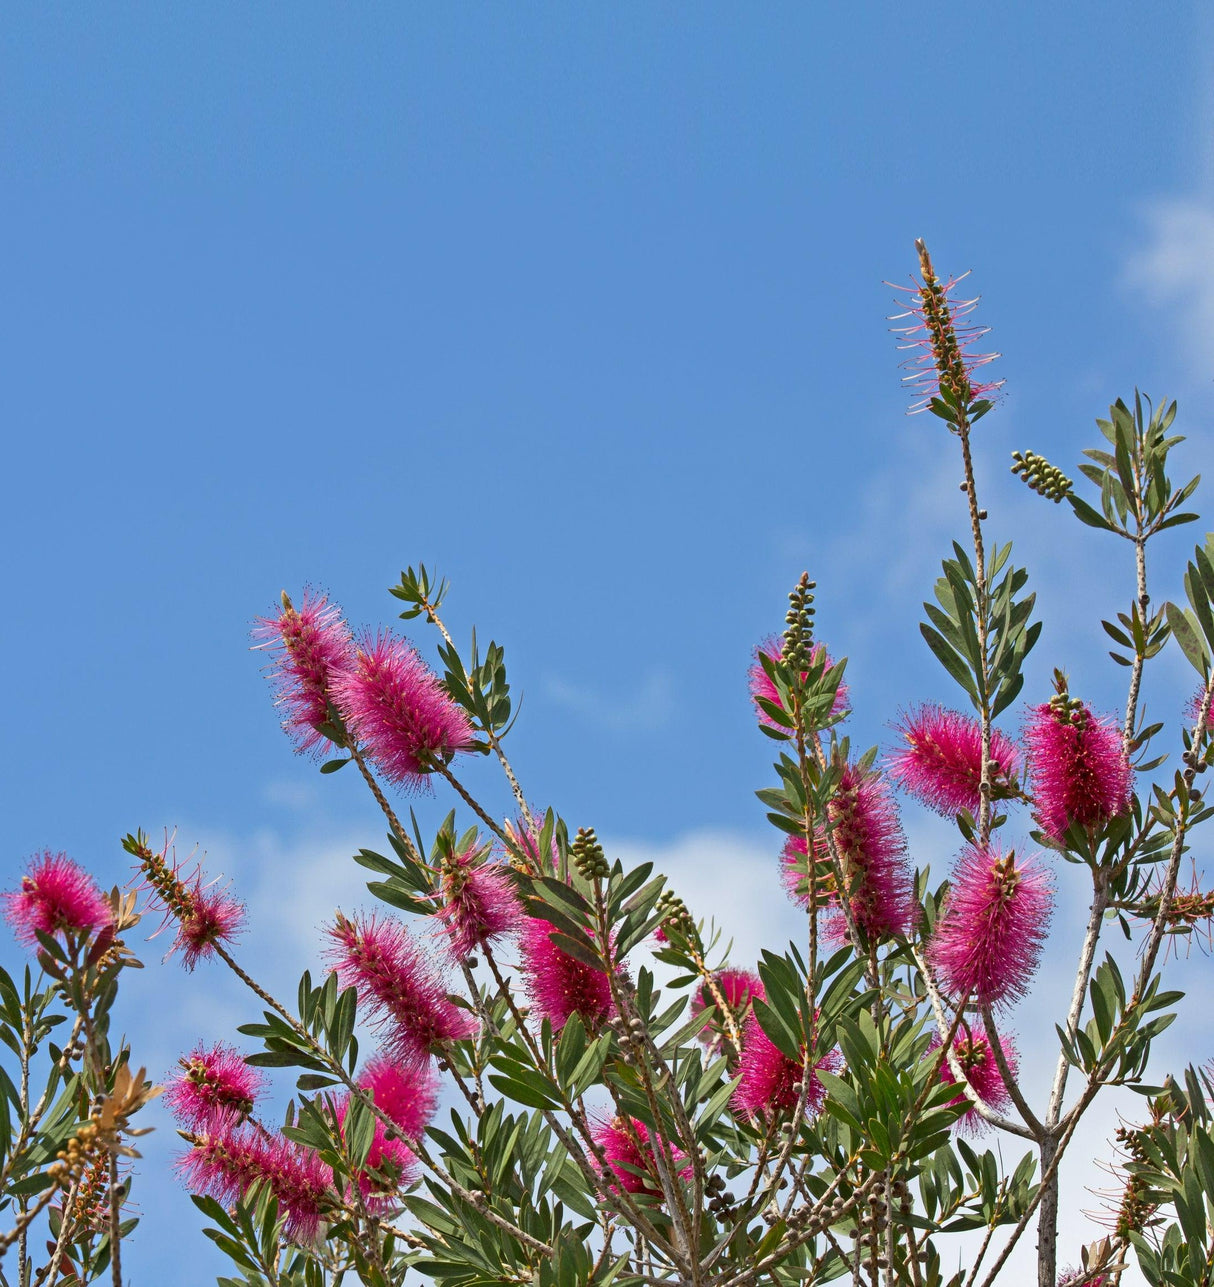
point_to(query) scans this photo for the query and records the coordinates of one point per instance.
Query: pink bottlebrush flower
(406, 1091)
(738, 987)
(868, 838)
(1079, 770)
(399, 710)
(224, 1163)
(57, 897)
(940, 362)
(977, 1060)
(993, 926)
(558, 984)
(310, 646)
(215, 1086)
(479, 903)
(215, 917)
(396, 981)
(761, 685)
(769, 1077)
(626, 1146)
(941, 764)
(204, 915)
(1078, 1278)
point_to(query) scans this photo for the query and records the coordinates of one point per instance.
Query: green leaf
(1187, 635)
(522, 1092)
(949, 660)
(1086, 514)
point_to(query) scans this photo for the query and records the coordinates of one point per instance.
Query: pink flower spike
(938, 342)
(215, 1086)
(560, 985)
(977, 1059)
(992, 929)
(205, 917)
(1078, 767)
(215, 917)
(761, 685)
(407, 1092)
(941, 763)
(769, 1077)
(479, 903)
(224, 1163)
(56, 897)
(399, 710)
(629, 1154)
(397, 982)
(869, 841)
(309, 646)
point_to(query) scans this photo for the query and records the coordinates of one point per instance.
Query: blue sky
(582, 306)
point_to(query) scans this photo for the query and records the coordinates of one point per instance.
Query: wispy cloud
(648, 708)
(1173, 270)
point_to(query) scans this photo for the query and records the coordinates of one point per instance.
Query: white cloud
(1174, 270)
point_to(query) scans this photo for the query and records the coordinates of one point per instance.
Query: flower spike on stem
(942, 370)
(990, 936)
(56, 897)
(206, 917)
(309, 646)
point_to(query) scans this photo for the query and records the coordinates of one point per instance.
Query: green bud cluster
(1067, 709)
(1045, 479)
(799, 623)
(588, 856)
(675, 916)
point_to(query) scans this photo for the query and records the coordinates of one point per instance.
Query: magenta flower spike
(977, 1059)
(938, 342)
(558, 984)
(627, 1149)
(941, 763)
(224, 1163)
(990, 934)
(56, 897)
(869, 840)
(761, 685)
(214, 1088)
(309, 647)
(1078, 767)
(406, 1091)
(205, 917)
(399, 711)
(769, 1077)
(216, 917)
(479, 903)
(398, 984)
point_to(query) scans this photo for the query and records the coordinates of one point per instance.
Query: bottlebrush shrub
(833, 1110)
